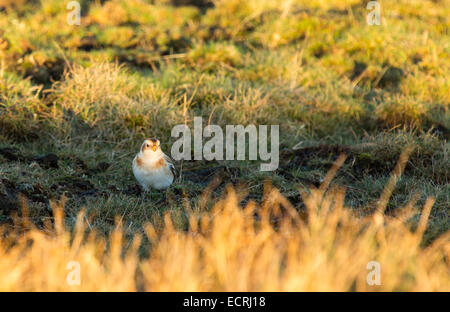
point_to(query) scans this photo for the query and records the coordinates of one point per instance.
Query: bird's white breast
(149, 176)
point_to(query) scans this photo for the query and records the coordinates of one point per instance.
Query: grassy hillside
(76, 103)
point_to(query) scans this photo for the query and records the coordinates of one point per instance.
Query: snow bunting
(151, 167)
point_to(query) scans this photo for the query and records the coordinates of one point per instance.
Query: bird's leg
(151, 195)
(143, 193)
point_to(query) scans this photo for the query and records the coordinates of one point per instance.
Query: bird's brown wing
(169, 162)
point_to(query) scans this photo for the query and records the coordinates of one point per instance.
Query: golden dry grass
(324, 248)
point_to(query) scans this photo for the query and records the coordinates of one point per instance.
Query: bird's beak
(154, 148)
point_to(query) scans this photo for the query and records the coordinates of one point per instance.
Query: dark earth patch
(392, 77)
(47, 161)
(49, 71)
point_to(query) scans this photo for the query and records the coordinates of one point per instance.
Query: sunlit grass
(134, 69)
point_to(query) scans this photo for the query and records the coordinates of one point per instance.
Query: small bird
(153, 168)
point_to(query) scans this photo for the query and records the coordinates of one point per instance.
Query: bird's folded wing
(169, 162)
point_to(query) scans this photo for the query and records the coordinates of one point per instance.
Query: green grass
(90, 94)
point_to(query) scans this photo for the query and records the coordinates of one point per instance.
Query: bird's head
(150, 145)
